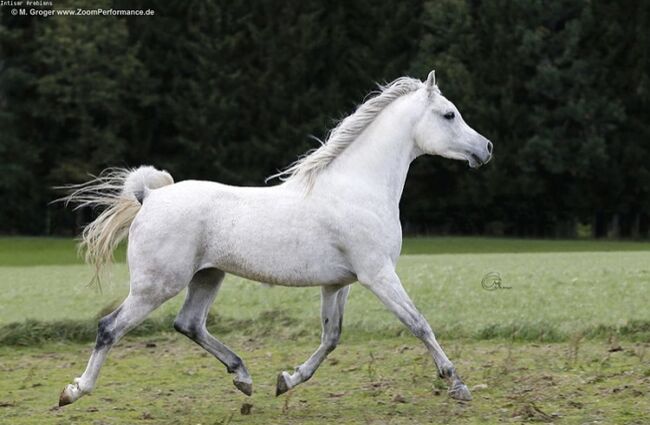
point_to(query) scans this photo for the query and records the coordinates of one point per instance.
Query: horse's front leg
(388, 288)
(332, 305)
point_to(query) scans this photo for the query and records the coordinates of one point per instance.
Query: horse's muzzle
(475, 160)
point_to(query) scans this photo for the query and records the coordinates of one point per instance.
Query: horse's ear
(431, 79)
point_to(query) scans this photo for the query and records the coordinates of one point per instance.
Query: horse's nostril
(489, 147)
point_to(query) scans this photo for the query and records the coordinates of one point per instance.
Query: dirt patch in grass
(166, 379)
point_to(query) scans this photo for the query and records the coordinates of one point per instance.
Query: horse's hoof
(282, 386)
(69, 395)
(245, 387)
(460, 392)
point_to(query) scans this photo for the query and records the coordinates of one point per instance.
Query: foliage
(230, 91)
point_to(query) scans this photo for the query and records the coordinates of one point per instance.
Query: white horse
(333, 221)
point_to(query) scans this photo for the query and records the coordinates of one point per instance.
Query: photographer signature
(492, 281)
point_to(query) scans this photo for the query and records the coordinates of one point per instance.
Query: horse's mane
(309, 166)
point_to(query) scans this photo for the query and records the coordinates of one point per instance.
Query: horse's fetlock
(447, 372)
(235, 365)
(85, 387)
(304, 375)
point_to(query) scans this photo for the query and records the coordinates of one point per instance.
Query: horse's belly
(290, 277)
(272, 252)
(287, 266)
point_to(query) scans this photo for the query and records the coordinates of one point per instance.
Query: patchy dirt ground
(169, 380)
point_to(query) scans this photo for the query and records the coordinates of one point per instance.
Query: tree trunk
(599, 226)
(644, 225)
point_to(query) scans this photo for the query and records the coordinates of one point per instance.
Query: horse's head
(442, 131)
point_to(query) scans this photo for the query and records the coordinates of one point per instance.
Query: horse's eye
(449, 116)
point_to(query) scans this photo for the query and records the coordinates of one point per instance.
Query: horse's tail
(120, 192)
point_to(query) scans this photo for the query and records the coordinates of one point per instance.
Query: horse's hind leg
(332, 305)
(191, 322)
(148, 296)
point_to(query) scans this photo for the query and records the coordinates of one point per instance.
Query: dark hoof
(281, 386)
(64, 398)
(244, 387)
(460, 392)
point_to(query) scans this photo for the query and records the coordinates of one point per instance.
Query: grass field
(566, 342)
(26, 251)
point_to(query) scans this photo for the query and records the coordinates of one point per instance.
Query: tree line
(231, 90)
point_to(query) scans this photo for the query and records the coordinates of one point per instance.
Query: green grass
(541, 346)
(551, 296)
(23, 251)
(31, 251)
(166, 379)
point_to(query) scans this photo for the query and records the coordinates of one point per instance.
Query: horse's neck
(377, 162)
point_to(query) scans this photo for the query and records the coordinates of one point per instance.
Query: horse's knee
(189, 329)
(420, 328)
(419, 332)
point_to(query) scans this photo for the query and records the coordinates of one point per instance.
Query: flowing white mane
(313, 162)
